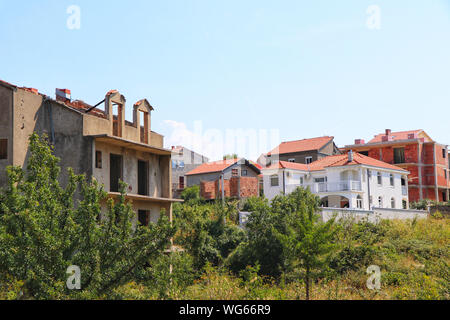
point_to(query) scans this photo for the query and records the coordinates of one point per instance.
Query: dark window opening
(115, 172)
(117, 119)
(144, 217)
(364, 153)
(399, 155)
(98, 159)
(444, 153)
(143, 178)
(3, 149)
(234, 172)
(244, 173)
(181, 183)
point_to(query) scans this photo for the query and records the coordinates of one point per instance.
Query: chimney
(359, 141)
(62, 95)
(386, 138)
(388, 132)
(350, 156)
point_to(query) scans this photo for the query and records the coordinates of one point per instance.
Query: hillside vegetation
(285, 251)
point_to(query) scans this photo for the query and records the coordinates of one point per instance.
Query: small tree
(306, 242)
(43, 231)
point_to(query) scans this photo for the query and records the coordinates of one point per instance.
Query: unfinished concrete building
(99, 143)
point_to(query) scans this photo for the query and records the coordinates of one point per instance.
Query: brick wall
(213, 189)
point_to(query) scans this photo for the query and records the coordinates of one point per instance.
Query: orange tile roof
(289, 165)
(336, 161)
(301, 145)
(358, 159)
(400, 135)
(215, 166)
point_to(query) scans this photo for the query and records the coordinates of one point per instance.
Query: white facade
(350, 186)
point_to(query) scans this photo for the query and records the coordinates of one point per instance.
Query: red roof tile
(401, 135)
(335, 161)
(301, 145)
(215, 166)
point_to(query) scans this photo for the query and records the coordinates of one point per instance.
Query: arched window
(391, 178)
(380, 202)
(359, 203)
(379, 178)
(393, 203)
(274, 180)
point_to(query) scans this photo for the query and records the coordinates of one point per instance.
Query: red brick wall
(213, 189)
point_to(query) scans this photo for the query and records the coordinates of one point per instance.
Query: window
(274, 180)
(359, 203)
(244, 173)
(301, 180)
(399, 155)
(393, 203)
(192, 157)
(308, 160)
(3, 149)
(174, 164)
(181, 164)
(445, 174)
(98, 159)
(142, 178)
(144, 217)
(379, 178)
(444, 153)
(320, 180)
(115, 172)
(181, 182)
(292, 160)
(404, 204)
(380, 202)
(234, 172)
(391, 179)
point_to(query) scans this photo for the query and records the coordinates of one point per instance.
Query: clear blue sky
(307, 68)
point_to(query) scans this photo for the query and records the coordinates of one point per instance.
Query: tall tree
(44, 230)
(307, 242)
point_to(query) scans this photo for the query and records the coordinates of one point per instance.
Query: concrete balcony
(336, 186)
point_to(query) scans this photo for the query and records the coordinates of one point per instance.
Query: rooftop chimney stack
(388, 132)
(62, 95)
(359, 141)
(350, 156)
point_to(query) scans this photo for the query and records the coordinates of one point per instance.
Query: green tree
(307, 242)
(230, 156)
(44, 230)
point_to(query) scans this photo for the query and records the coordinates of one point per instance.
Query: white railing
(332, 186)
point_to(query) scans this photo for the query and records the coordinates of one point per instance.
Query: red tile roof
(301, 145)
(289, 165)
(400, 135)
(215, 166)
(336, 161)
(358, 159)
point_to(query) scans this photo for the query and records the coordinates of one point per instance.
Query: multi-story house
(350, 180)
(183, 161)
(231, 178)
(415, 151)
(301, 151)
(98, 143)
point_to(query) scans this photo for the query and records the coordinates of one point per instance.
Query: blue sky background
(307, 68)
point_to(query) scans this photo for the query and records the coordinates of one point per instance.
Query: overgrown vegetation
(284, 252)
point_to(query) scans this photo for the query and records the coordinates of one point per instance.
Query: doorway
(115, 172)
(143, 178)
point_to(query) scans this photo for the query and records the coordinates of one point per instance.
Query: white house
(349, 180)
